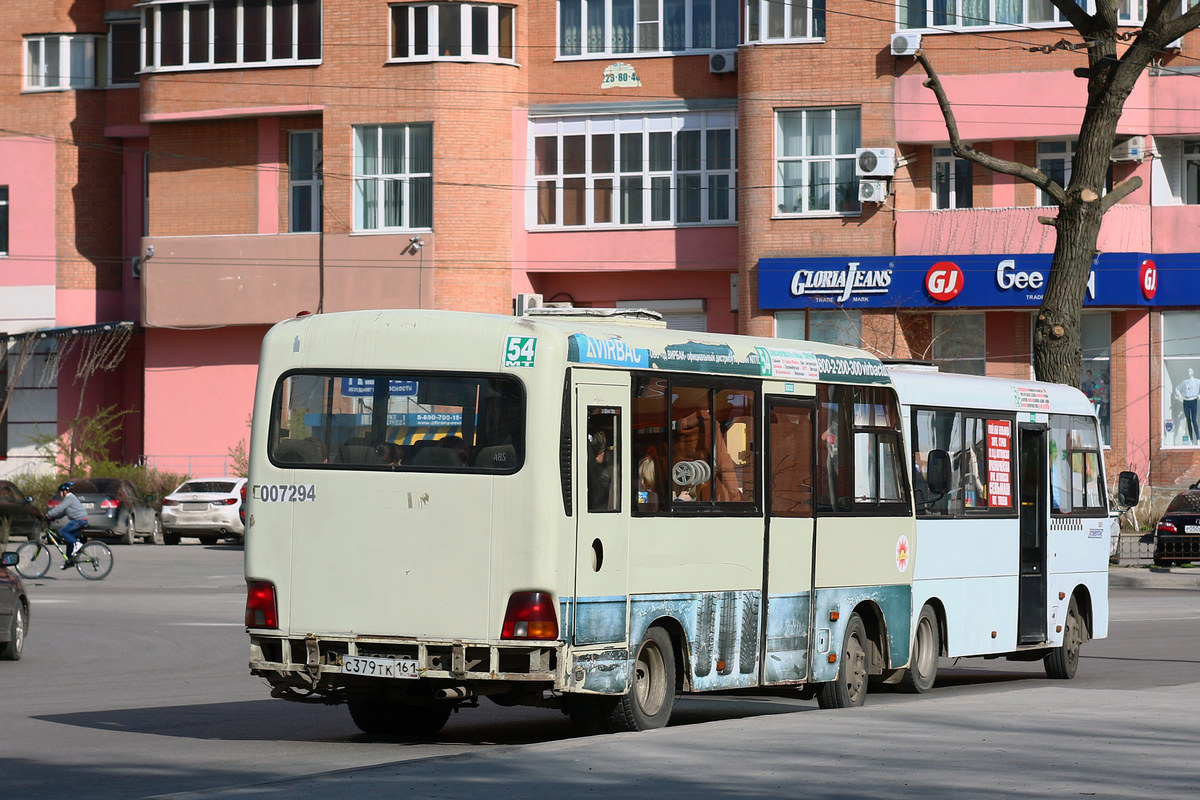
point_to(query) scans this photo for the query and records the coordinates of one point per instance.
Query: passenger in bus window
(647, 471)
(389, 453)
(457, 446)
(599, 472)
(974, 490)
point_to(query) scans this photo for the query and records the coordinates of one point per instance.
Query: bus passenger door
(788, 561)
(601, 430)
(1034, 472)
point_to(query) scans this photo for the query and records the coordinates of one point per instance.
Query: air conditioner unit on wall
(525, 301)
(1132, 149)
(872, 191)
(906, 43)
(875, 162)
(723, 62)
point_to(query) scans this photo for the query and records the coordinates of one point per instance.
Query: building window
(304, 181)
(794, 20)
(952, 180)
(971, 14)
(632, 171)
(611, 27)
(841, 327)
(1095, 376)
(3, 220)
(182, 35)
(959, 343)
(61, 61)
(1181, 378)
(1054, 159)
(393, 177)
(455, 31)
(124, 46)
(815, 153)
(1191, 171)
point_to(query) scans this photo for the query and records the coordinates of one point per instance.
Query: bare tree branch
(962, 150)
(1120, 191)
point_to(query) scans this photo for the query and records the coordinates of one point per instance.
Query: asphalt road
(137, 687)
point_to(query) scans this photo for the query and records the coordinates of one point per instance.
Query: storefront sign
(1002, 280)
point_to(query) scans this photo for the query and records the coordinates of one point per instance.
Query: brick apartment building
(177, 176)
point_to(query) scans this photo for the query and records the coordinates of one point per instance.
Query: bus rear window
(398, 421)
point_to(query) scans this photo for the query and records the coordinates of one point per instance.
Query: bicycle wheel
(34, 560)
(94, 561)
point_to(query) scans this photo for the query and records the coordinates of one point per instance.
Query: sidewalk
(1143, 576)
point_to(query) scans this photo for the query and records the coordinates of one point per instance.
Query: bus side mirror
(937, 474)
(1129, 491)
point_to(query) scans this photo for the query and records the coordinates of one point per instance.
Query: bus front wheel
(1062, 661)
(923, 660)
(849, 690)
(652, 693)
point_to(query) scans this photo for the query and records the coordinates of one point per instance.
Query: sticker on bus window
(519, 351)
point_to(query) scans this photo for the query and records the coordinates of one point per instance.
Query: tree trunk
(1057, 350)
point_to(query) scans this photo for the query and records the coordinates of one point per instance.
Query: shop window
(952, 180)
(393, 177)
(609, 27)
(694, 445)
(1181, 378)
(679, 315)
(634, 171)
(959, 343)
(815, 161)
(795, 20)
(841, 327)
(1095, 372)
(304, 181)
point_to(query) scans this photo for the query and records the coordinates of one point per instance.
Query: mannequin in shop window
(1188, 392)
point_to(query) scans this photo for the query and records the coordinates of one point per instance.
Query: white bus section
(1013, 558)
(590, 514)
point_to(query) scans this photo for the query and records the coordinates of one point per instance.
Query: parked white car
(207, 508)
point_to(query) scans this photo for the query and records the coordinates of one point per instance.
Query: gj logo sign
(1148, 277)
(944, 281)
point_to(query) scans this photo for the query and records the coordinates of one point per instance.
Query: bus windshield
(404, 421)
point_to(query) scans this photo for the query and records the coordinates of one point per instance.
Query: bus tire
(376, 715)
(849, 689)
(652, 693)
(923, 660)
(1062, 661)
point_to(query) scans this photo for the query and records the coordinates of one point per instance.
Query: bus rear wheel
(378, 715)
(849, 690)
(1062, 661)
(652, 693)
(923, 660)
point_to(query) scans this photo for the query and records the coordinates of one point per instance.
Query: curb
(1153, 577)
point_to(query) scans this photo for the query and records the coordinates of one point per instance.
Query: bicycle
(93, 561)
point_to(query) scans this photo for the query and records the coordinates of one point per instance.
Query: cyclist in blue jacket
(70, 507)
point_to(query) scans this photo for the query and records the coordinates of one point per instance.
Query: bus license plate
(380, 667)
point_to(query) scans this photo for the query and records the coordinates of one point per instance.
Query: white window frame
(76, 70)
(1130, 12)
(784, 21)
(951, 166)
(589, 28)
(496, 26)
(1189, 171)
(152, 37)
(314, 182)
(1045, 156)
(1180, 352)
(658, 201)
(794, 196)
(376, 182)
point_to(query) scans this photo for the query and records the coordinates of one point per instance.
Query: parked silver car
(206, 508)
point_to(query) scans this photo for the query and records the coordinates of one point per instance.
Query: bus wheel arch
(653, 685)
(849, 688)
(1062, 662)
(928, 644)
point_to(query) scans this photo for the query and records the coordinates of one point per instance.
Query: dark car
(1177, 538)
(14, 609)
(24, 518)
(116, 509)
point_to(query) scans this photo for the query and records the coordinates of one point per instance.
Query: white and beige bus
(592, 513)
(1015, 529)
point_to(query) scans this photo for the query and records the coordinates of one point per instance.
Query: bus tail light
(530, 615)
(260, 605)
